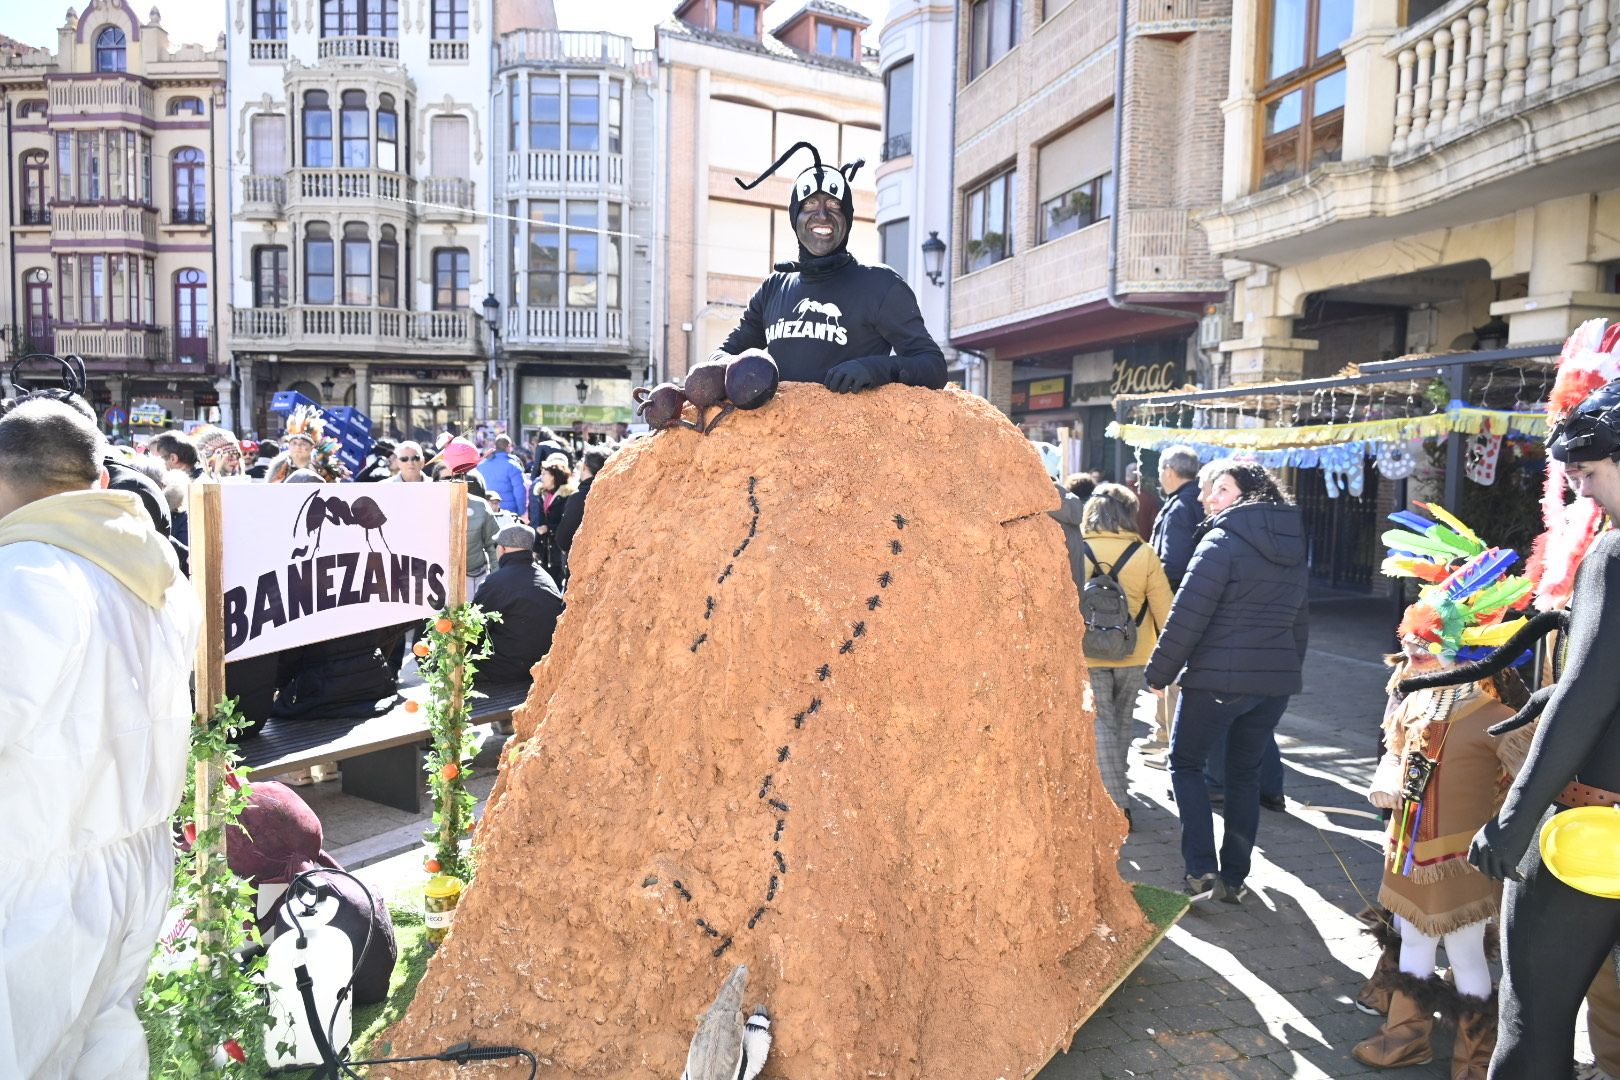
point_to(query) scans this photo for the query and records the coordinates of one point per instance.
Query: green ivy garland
(209, 1005)
(447, 656)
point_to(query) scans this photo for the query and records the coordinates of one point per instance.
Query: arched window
(387, 268)
(356, 265)
(34, 210)
(318, 265)
(356, 130)
(37, 286)
(190, 190)
(191, 316)
(387, 134)
(270, 20)
(317, 130)
(30, 108)
(184, 106)
(110, 49)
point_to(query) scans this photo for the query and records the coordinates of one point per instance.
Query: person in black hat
(828, 318)
(529, 604)
(1555, 937)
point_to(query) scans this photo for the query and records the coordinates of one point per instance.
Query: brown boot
(1404, 1038)
(1476, 1037)
(1373, 998)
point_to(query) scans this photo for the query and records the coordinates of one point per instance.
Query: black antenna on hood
(794, 149)
(74, 379)
(851, 169)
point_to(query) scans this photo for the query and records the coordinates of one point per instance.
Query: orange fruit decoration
(431, 866)
(450, 771)
(411, 705)
(421, 648)
(444, 626)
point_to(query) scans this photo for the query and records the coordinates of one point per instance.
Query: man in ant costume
(827, 318)
(1554, 937)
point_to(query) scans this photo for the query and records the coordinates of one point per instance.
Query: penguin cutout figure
(725, 1048)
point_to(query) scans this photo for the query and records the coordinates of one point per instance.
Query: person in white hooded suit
(98, 630)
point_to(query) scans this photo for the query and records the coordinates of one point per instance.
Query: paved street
(1257, 991)
(1264, 990)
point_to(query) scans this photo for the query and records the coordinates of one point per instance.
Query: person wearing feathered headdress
(828, 318)
(307, 447)
(1441, 776)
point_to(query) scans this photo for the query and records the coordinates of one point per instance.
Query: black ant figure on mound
(318, 510)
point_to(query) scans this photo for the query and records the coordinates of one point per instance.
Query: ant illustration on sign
(831, 311)
(319, 509)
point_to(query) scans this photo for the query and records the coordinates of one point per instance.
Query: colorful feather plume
(1467, 588)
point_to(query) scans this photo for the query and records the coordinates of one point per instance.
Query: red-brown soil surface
(819, 686)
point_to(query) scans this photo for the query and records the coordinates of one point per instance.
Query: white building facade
(916, 53)
(575, 182)
(359, 210)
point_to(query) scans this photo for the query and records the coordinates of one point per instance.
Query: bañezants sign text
(304, 563)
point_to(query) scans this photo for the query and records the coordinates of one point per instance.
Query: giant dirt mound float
(817, 706)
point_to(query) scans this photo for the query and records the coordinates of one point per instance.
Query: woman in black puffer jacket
(1236, 636)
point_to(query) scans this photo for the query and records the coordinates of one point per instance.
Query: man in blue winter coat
(504, 476)
(827, 318)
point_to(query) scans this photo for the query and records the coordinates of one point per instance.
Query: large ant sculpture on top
(319, 509)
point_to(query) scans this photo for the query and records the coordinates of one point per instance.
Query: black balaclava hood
(1591, 431)
(818, 177)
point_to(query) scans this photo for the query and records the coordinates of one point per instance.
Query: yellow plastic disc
(1582, 849)
(442, 885)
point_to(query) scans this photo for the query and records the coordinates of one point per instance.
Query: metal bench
(381, 755)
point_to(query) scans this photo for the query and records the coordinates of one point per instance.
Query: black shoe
(1278, 803)
(1231, 894)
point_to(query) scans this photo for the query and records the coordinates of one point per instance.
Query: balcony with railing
(897, 146)
(263, 196)
(269, 51)
(349, 185)
(106, 93)
(1457, 109)
(575, 47)
(448, 51)
(358, 47)
(110, 343)
(575, 327)
(356, 329)
(75, 222)
(445, 198)
(565, 168)
(34, 215)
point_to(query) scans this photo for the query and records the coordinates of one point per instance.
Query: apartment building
(737, 96)
(575, 195)
(1076, 268)
(917, 62)
(1408, 177)
(115, 152)
(359, 209)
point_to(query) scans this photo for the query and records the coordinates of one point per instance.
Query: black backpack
(1110, 630)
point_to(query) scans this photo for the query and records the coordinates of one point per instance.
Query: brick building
(1040, 192)
(737, 96)
(115, 156)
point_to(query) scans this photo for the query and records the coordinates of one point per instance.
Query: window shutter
(1083, 153)
(269, 145)
(452, 147)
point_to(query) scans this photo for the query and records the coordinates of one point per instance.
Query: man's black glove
(853, 376)
(1495, 854)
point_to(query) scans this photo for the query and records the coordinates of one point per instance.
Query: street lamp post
(933, 250)
(492, 372)
(583, 389)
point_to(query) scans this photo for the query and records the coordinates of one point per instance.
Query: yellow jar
(439, 899)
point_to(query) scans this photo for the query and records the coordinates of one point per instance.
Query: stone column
(1268, 350)
(1371, 80)
(245, 422)
(224, 387)
(480, 392)
(998, 380)
(362, 388)
(1564, 285)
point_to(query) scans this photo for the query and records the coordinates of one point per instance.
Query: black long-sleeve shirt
(810, 323)
(1579, 737)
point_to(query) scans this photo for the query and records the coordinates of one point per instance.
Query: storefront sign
(1149, 378)
(1037, 395)
(149, 414)
(304, 562)
(564, 415)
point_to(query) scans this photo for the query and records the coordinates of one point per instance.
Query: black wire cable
(463, 1053)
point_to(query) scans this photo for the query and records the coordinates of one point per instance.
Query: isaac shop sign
(311, 562)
